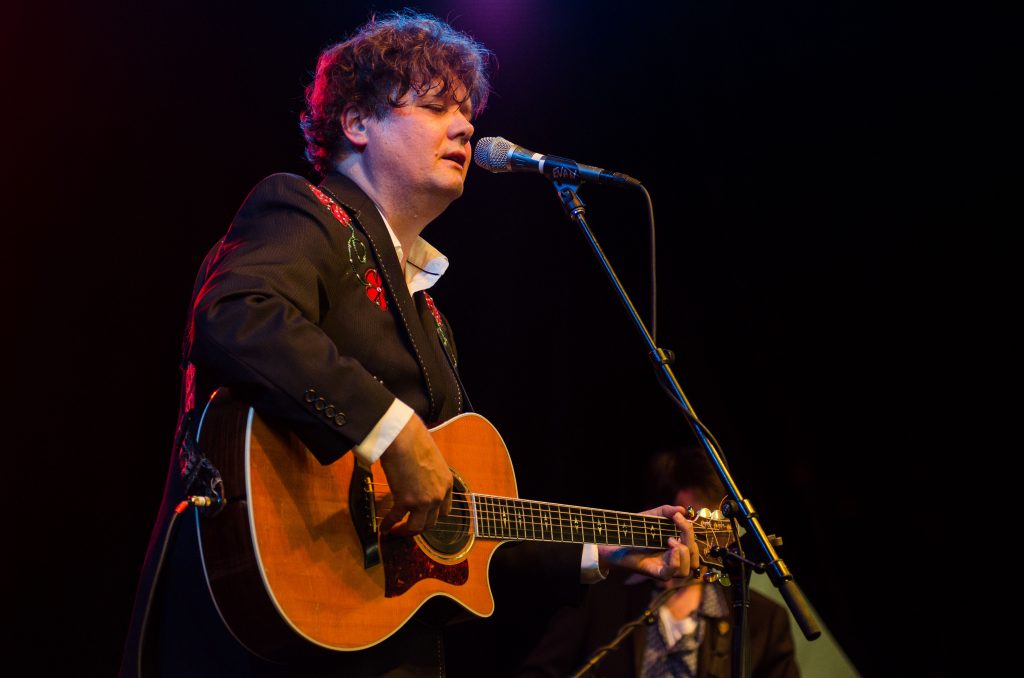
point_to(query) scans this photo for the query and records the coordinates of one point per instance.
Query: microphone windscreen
(492, 154)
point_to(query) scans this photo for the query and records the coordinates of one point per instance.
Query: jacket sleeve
(256, 320)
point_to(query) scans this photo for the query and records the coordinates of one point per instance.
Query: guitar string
(582, 539)
(534, 510)
(528, 527)
(536, 516)
(456, 526)
(531, 503)
(533, 524)
(708, 543)
(508, 517)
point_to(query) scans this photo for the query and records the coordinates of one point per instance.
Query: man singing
(314, 306)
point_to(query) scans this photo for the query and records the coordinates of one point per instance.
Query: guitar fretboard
(522, 519)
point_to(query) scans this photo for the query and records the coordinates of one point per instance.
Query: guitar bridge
(364, 514)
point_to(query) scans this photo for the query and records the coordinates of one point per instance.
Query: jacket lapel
(365, 213)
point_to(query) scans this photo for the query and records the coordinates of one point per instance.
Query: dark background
(827, 250)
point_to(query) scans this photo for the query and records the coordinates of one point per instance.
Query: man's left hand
(678, 560)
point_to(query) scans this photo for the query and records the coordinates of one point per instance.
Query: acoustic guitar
(293, 555)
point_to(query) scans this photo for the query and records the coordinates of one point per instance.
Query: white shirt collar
(425, 264)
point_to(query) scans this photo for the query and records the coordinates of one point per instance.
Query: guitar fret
(495, 510)
(492, 526)
(510, 511)
(497, 519)
(496, 526)
(508, 521)
(513, 525)
(481, 516)
(538, 535)
(517, 516)
(474, 513)
(488, 521)
(500, 522)
(589, 531)
(599, 525)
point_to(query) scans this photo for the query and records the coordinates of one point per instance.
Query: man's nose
(462, 127)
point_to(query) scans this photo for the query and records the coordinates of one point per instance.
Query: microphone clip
(571, 202)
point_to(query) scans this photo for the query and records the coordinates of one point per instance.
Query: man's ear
(353, 125)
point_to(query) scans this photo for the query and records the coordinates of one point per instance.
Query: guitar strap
(198, 474)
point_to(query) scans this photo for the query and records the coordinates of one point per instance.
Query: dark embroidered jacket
(303, 308)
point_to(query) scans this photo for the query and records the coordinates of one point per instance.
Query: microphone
(496, 154)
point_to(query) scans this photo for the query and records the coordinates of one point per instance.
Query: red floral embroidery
(370, 279)
(340, 215)
(437, 320)
(375, 289)
(433, 309)
(335, 209)
(321, 196)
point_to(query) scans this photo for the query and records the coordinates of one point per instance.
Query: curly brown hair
(379, 65)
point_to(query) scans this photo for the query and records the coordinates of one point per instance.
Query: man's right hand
(419, 479)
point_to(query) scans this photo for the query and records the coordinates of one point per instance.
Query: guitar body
(284, 560)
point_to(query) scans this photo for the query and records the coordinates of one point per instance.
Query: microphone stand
(738, 508)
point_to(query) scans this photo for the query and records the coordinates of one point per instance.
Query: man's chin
(456, 189)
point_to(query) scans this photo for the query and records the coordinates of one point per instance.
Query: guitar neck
(526, 520)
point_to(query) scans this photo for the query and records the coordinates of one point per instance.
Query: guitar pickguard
(405, 563)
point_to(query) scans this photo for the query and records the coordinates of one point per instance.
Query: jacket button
(340, 420)
(320, 404)
(309, 395)
(330, 411)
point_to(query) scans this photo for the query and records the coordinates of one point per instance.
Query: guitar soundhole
(450, 535)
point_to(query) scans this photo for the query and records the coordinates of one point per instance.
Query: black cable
(654, 267)
(152, 589)
(659, 376)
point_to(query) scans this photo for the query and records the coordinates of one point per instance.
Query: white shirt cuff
(384, 432)
(590, 568)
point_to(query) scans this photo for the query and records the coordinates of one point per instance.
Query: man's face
(422, 147)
